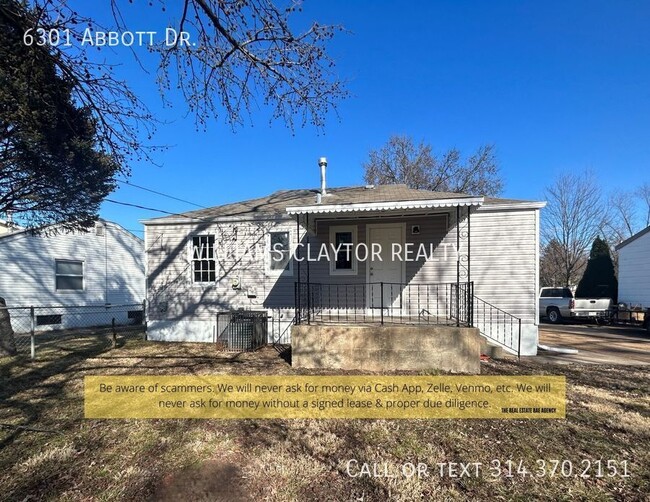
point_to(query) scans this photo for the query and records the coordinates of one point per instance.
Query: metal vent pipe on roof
(322, 163)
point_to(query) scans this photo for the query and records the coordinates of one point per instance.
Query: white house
(464, 260)
(7, 227)
(634, 269)
(100, 268)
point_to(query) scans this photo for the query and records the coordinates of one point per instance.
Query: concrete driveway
(595, 344)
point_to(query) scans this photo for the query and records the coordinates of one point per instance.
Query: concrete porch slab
(386, 348)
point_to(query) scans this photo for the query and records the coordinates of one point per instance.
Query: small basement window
(204, 263)
(136, 315)
(45, 320)
(69, 275)
(280, 252)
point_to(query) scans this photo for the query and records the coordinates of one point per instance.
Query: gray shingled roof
(278, 202)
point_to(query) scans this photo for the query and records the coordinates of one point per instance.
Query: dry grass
(49, 451)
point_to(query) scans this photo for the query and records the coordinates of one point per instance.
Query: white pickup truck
(559, 303)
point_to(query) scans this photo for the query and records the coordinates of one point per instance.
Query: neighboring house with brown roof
(634, 269)
(460, 260)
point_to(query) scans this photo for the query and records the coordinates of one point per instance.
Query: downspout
(469, 245)
(105, 264)
(297, 299)
(537, 253)
(470, 284)
(457, 266)
(308, 278)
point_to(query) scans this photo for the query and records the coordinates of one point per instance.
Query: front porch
(388, 304)
(385, 263)
(431, 289)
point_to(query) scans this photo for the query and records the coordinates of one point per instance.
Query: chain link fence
(36, 327)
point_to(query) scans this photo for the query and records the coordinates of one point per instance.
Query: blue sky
(556, 86)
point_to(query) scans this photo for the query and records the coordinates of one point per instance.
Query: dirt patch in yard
(49, 451)
(213, 480)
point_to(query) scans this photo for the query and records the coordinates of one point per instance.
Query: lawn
(49, 451)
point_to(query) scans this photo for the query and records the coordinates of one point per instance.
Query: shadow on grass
(67, 358)
(42, 400)
(20, 374)
(285, 352)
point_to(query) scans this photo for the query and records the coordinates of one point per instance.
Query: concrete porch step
(494, 351)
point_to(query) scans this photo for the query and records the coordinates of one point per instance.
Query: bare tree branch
(623, 215)
(573, 218)
(243, 54)
(401, 161)
(643, 193)
(247, 52)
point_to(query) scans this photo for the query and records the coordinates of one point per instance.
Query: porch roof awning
(385, 206)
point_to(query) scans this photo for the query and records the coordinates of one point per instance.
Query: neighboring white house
(220, 259)
(7, 227)
(100, 268)
(634, 269)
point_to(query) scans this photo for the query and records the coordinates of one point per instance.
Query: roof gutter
(385, 206)
(632, 239)
(513, 205)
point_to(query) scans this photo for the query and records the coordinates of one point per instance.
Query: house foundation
(386, 348)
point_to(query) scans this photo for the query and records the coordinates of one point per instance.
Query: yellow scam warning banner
(367, 396)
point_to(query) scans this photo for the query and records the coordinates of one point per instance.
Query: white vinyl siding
(634, 272)
(113, 268)
(503, 260)
(176, 305)
(503, 266)
(241, 250)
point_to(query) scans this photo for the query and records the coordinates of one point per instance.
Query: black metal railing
(384, 302)
(497, 325)
(450, 304)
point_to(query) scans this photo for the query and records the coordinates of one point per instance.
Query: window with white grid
(204, 262)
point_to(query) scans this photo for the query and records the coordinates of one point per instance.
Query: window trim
(83, 275)
(267, 253)
(191, 258)
(334, 229)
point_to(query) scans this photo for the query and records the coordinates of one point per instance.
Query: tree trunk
(7, 342)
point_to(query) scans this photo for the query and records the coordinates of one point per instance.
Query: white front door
(382, 268)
